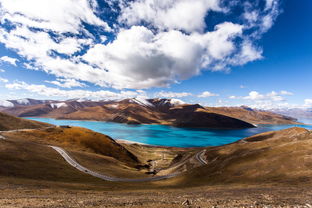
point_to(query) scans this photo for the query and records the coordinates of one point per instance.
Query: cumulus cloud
(188, 15)
(155, 60)
(3, 80)
(308, 102)
(57, 15)
(274, 96)
(9, 60)
(265, 101)
(71, 94)
(284, 92)
(67, 83)
(207, 94)
(151, 43)
(233, 97)
(172, 94)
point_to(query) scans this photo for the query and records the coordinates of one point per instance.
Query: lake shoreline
(167, 136)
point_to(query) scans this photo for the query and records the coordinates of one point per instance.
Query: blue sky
(213, 52)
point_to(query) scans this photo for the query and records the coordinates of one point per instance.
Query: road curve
(199, 157)
(81, 168)
(76, 165)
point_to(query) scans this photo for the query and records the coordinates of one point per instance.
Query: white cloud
(269, 4)
(161, 59)
(9, 60)
(207, 94)
(265, 101)
(254, 95)
(71, 94)
(174, 45)
(284, 92)
(188, 15)
(67, 83)
(3, 80)
(273, 96)
(57, 15)
(2, 70)
(308, 102)
(248, 53)
(172, 94)
(233, 97)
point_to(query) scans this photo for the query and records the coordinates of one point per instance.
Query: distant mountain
(47, 108)
(156, 111)
(295, 112)
(131, 111)
(146, 111)
(254, 116)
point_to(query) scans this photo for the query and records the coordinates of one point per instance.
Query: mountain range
(145, 111)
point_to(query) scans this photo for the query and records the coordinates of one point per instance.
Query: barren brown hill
(134, 113)
(78, 139)
(283, 157)
(49, 108)
(29, 111)
(197, 116)
(151, 111)
(130, 113)
(252, 115)
(8, 122)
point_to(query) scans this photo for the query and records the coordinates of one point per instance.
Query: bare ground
(217, 196)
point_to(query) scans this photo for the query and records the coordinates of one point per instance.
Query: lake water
(166, 135)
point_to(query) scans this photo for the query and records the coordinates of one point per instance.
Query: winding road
(199, 157)
(81, 168)
(75, 164)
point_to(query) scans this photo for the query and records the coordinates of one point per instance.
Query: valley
(152, 176)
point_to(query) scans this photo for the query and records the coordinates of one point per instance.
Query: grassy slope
(78, 139)
(272, 157)
(8, 122)
(27, 160)
(31, 165)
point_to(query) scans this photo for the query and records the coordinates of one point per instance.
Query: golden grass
(274, 157)
(8, 122)
(79, 139)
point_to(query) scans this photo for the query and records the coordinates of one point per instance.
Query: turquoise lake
(169, 136)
